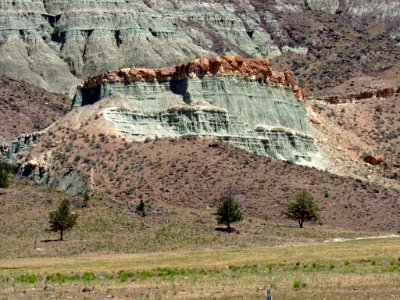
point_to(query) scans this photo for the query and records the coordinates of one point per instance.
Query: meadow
(358, 269)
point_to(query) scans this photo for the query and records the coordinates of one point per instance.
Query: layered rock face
(52, 43)
(236, 100)
(27, 48)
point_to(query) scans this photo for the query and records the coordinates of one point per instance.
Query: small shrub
(4, 182)
(85, 200)
(141, 208)
(5, 169)
(331, 114)
(234, 268)
(124, 276)
(68, 147)
(297, 284)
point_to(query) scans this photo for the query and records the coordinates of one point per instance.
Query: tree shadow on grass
(51, 241)
(224, 229)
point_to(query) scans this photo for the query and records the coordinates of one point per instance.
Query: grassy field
(110, 227)
(176, 253)
(362, 269)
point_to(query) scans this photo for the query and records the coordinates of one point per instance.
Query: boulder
(374, 160)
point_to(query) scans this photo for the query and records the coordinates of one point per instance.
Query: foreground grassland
(113, 227)
(363, 269)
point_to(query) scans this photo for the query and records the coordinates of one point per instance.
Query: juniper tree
(229, 212)
(303, 208)
(5, 169)
(4, 182)
(141, 208)
(62, 219)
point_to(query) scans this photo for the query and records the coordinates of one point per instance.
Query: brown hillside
(25, 108)
(342, 50)
(194, 172)
(357, 128)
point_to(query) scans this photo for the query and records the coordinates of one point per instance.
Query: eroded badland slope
(54, 44)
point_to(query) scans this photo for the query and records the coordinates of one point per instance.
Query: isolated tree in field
(229, 212)
(62, 219)
(141, 208)
(303, 208)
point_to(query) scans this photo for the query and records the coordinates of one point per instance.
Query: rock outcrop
(236, 100)
(254, 69)
(378, 93)
(374, 160)
(23, 142)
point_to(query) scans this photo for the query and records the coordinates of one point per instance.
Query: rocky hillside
(25, 108)
(193, 172)
(53, 44)
(344, 53)
(361, 133)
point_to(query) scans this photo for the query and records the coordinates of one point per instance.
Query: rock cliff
(53, 43)
(237, 100)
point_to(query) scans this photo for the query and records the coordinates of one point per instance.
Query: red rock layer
(379, 93)
(209, 66)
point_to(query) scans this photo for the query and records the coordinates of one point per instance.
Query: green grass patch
(298, 284)
(31, 278)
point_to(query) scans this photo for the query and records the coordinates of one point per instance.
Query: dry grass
(349, 270)
(113, 227)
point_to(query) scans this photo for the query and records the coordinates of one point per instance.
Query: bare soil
(358, 128)
(25, 108)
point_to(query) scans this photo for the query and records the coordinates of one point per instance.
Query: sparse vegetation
(306, 271)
